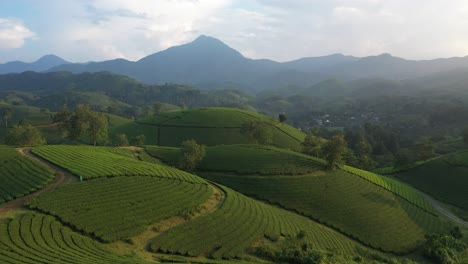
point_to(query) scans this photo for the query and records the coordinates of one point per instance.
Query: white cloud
(13, 33)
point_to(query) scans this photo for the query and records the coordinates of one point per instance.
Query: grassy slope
(20, 175)
(367, 207)
(210, 126)
(445, 178)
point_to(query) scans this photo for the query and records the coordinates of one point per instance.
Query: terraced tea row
(445, 178)
(36, 238)
(121, 207)
(210, 126)
(241, 221)
(348, 203)
(94, 162)
(247, 159)
(20, 175)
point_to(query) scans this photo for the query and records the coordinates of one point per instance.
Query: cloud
(13, 33)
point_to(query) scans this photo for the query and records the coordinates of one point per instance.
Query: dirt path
(139, 244)
(60, 177)
(442, 210)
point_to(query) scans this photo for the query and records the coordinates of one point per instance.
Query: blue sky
(84, 30)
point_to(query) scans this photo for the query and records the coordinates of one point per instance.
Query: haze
(96, 30)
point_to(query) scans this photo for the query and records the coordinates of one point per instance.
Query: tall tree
(7, 113)
(282, 118)
(97, 128)
(334, 150)
(192, 154)
(313, 145)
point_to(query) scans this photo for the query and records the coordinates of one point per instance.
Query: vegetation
(212, 126)
(258, 131)
(334, 150)
(445, 178)
(87, 205)
(191, 155)
(246, 159)
(23, 136)
(443, 248)
(94, 162)
(121, 140)
(37, 238)
(239, 222)
(20, 175)
(335, 198)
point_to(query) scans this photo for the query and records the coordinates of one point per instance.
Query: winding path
(60, 176)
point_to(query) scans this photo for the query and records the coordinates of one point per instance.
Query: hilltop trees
(313, 145)
(26, 135)
(192, 154)
(334, 150)
(258, 131)
(83, 122)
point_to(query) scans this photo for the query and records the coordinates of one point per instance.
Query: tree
(443, 248)
(282, 118)
(139, 140)
(259, 131)
(24, 136)
(192, 154)
(121, 140)
(158, 106)
(97, 128)
(77, 120)
(313, 145)
(465, 135)
(7, 113)
(334, 150)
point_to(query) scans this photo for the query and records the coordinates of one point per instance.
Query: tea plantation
(20, 175)
(210, 126)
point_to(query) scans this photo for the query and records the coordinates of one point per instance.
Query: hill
(210, 126)
(401, 216)
(42, 64)
(445, 178)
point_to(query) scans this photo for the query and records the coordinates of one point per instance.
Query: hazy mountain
(211, 64)
(42, 64)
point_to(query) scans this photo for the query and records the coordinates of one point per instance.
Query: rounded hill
(210, 126)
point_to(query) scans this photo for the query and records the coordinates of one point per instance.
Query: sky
(282, 30)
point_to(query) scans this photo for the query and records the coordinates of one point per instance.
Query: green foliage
(138, 140)
(26, 135)
(258, 131)
(37, 238)
(334, 198)
(313, 145)
(7, 113)
(443, 248)
(240, 221)
(88, 205)
(282, 118)
(94, 162)
(97, 128)
(20, 175)
(121, 140)
(334, 150)
(191, 155)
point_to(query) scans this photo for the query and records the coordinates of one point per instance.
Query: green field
(445, 178)
(94, 162)
(20, 175)
(120, 207)
(345, 202)
(247, 159)
(210, 126)
(37, 238)
(241, 221)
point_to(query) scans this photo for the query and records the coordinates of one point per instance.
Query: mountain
(44, 63)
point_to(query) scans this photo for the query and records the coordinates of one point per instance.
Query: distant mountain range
(209, 63)
(42, 64)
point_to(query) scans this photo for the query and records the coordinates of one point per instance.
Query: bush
(443, 248)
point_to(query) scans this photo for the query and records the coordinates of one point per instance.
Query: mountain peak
(51, 58)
